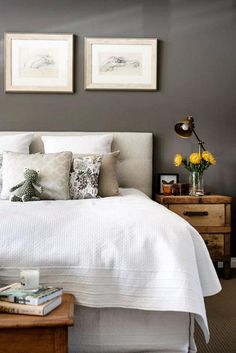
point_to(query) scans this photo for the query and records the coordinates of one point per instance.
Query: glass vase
(196, 184)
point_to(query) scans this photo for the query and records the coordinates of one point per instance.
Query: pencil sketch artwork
(38, 63)
(120, 64)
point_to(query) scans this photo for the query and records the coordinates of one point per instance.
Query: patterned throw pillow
(84, 177)
(108, 184)
(54, 172)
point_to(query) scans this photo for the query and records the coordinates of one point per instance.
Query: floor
(221, 312)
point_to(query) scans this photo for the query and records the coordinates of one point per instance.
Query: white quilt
(124, 251)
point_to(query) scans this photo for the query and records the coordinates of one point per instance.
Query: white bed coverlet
(124, 251)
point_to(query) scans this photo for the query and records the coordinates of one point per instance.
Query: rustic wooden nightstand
(36, 334)
(210, 215)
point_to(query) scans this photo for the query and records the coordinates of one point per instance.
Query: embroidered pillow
(54, 171)
(84, 177)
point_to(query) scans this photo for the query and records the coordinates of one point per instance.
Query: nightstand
(210, 215)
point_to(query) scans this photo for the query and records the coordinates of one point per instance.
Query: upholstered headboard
(135, 162)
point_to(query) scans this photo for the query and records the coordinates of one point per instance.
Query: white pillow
(83, 144)
(16, 143)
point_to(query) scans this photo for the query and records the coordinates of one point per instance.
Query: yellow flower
(208, 157)
(213, 161)
(195, 158)
(178, 159)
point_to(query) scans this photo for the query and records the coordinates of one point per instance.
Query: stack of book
(15, 300)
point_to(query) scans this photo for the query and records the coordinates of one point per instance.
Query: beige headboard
(135, 162)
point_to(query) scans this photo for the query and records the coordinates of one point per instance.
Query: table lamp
(185, 128)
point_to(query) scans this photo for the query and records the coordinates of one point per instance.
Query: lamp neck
(200, 143)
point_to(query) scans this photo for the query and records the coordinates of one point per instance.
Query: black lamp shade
(184, 128)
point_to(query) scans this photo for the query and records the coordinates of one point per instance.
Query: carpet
(221, 312)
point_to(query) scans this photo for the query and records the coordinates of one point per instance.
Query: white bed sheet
(125, 251)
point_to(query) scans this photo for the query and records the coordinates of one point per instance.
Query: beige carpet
(221, 312)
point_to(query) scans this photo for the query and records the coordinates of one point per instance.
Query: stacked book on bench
(15, 300)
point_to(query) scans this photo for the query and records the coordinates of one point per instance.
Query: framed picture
(120, 64)
(167, 179)
(38, 62)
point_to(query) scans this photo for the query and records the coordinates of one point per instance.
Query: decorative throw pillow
(107, 183)
(84, 177)
(54, 170)
(89, 144)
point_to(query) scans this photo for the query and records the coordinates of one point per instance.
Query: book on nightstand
(15, 294)
(38, 310)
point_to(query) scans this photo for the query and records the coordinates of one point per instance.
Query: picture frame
(168, 177)
(39, 62)
(120, 64)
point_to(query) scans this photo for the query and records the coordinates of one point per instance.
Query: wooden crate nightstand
(210, 215)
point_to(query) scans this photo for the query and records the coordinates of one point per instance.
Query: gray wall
(197, 75)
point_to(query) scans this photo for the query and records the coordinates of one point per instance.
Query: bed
(139, 273)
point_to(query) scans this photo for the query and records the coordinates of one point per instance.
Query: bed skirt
(115, 330)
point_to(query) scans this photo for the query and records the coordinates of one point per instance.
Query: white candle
(29, 279)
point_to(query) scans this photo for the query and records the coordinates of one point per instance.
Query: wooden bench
(36, 334)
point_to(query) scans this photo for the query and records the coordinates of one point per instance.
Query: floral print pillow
(84, 177)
